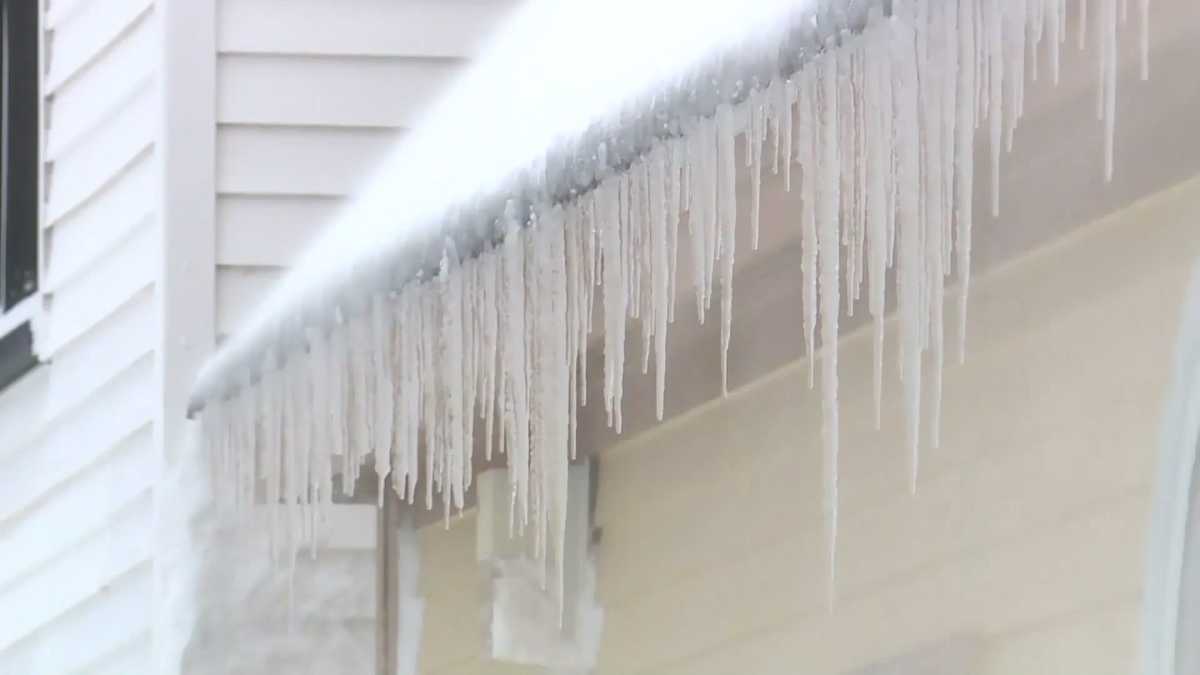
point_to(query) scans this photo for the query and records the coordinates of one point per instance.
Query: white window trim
(28, 309)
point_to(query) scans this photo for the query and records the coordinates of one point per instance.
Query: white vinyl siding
(75, 483)
(310, 95)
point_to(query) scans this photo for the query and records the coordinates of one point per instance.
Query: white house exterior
(190, 149)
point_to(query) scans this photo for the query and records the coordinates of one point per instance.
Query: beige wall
(1022, 551)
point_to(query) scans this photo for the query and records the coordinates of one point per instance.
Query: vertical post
(185, 289)
(385, 593)
(186, 152)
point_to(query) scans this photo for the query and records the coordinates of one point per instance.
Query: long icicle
(828, 240)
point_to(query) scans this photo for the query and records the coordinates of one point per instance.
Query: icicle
(697, 229)
(471, 355)
(727, 197)
(272, 417)
(658, 241)
(574, 328)
(450, 362)
(995, 82)
(849, 161)
(775, 117)
(1144, 37)
(878, 147)
(1109, 82)
(859, 213)
(1055, 21)
(709, 140)
(645, 259)
(213, 428)
(754, 151)
(1083, 20)
(808, 228)
(381, 364)
(950, 53)
(787, 94)
(516, 407)
(673, 189)
(965, 160)
(489, 305)
(910, 264)
(1035, 26)
(615, 297)
(828, 172)
(552, 365)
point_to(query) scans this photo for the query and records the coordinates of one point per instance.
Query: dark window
(19, 171)
(16, 354)
(18, 150)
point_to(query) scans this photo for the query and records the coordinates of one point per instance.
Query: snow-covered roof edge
(392, 246)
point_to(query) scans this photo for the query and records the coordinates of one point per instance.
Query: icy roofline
(540, 120)
(494, 350)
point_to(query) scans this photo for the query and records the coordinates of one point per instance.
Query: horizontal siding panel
(334, 91)
(297, 160)
(132, 658)
(1008, 589)
(22, 407)
(79, 507)
(97, 356)
(90, 99)
(88, 166)
(84, 302)
(86, 235)
(429, 28)
(84, 571)
(1103, 642)
(84, 32)
(269, 230)
(673, 535)
(240, 291)
(113, 417)
(58, 11)
(90, 632)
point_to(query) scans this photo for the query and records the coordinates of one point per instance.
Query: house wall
(1022, 551)
(309, 94)
(77, 449)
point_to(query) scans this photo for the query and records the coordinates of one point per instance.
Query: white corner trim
(1172, 497)
(185, 151)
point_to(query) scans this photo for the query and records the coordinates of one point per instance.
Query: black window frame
(18, 150)
(20, 164)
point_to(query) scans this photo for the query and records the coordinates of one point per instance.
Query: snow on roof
(562, 83)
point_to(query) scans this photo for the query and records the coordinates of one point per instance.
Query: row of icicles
(876, 133)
